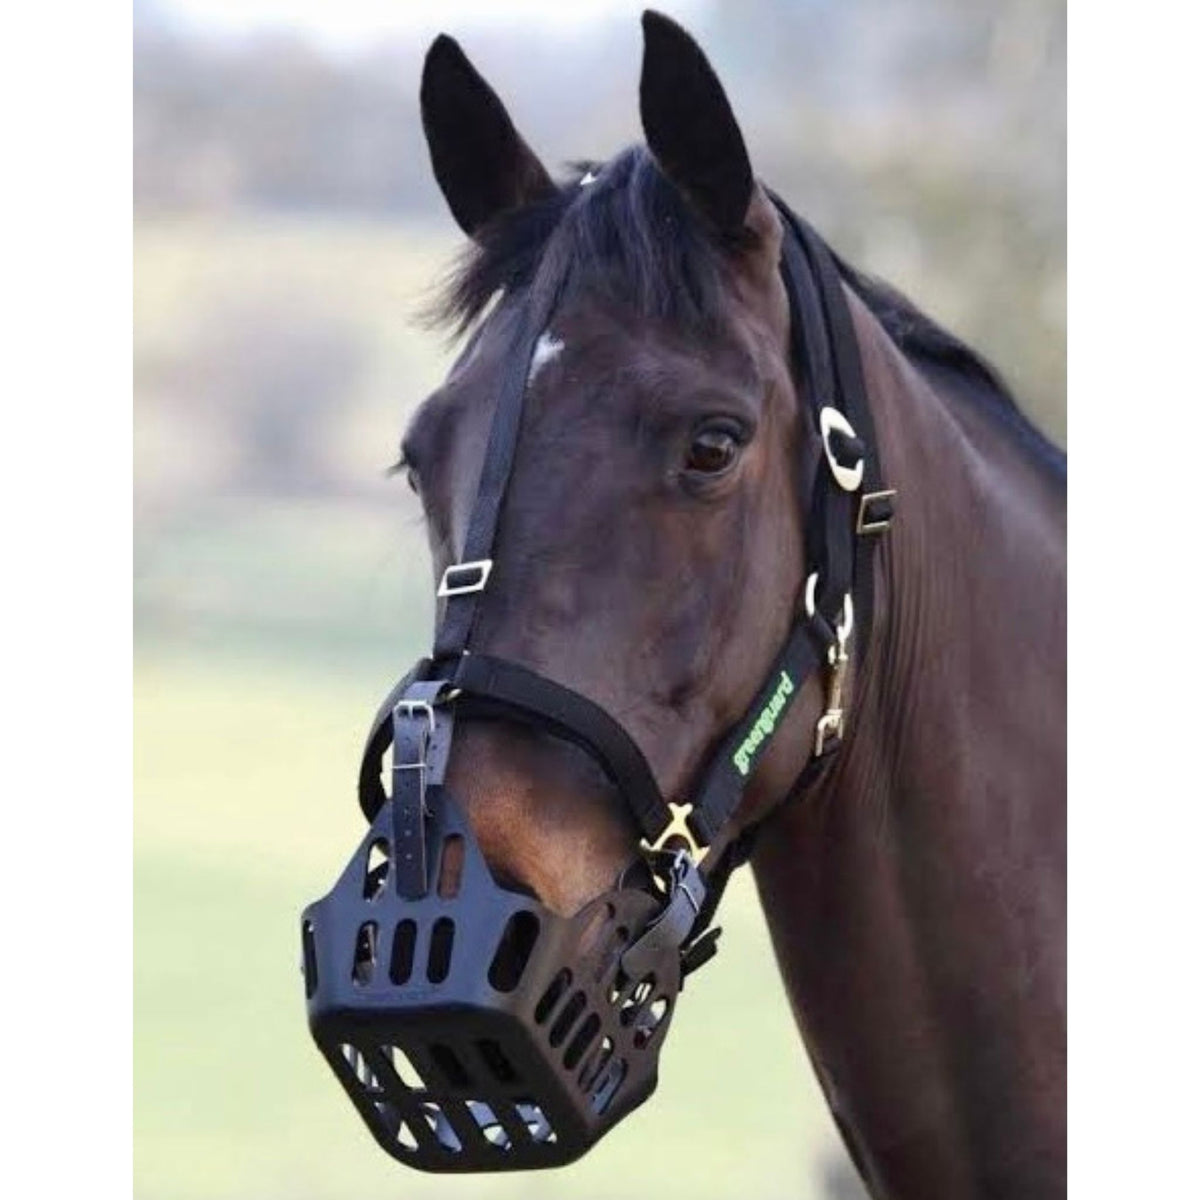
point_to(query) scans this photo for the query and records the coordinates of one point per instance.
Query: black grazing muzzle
(473, 1028)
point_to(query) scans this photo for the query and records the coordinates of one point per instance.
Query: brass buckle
(862, 525)
(680, 828)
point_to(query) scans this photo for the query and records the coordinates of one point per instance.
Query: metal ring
(845, 625)
(849, 479)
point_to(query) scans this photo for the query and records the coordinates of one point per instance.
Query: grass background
(245, 811)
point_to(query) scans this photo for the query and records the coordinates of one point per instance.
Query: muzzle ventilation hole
(581, 1041)
(440, 1127)
(567, 1018)
(404, 942)
(364, 953)
(496, 1061)
(308, 937)
(536, 1122)
(378, 864)
(593, 1067)
(631, 1005)
(451, 869)
(450, 1065)
(649, 1020)
(402, 1065)
(441, 946)
(552, 995)
(607, 1086)
(512, 954)
(361, 1068)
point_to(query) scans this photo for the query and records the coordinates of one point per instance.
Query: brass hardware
(680, 828)
(833, 721)
(862, 525)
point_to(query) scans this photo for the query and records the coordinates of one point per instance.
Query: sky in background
(352, 22)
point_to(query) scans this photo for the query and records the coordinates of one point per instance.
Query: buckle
(849, 479)
(867, 524)
(463, 578)
(679, 828)
(413, 708)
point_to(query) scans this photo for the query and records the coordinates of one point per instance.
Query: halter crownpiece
(473, 1028)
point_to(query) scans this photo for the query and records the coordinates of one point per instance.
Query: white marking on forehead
(547, 349)
(590, 177)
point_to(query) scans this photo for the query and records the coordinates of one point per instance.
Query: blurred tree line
(925, 138)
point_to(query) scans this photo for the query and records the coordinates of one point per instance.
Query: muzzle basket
(473, 1028)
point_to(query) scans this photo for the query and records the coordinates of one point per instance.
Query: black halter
(849, 505)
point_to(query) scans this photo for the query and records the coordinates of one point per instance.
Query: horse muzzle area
(474, 1028)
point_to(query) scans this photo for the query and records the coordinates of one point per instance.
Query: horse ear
(689, 126)
(480, 161)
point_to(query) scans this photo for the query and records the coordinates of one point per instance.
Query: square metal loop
(882, 524)
(463, 578)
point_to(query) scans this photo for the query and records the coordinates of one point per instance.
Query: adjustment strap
(732, 764)
(462, 599)
(513, 691)
(371, 794)
(412, 731)
(668, 931)
(455, 627)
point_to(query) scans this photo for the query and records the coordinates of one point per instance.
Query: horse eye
(413, 482)
(712, 452)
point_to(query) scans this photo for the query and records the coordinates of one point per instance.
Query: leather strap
(515, 691)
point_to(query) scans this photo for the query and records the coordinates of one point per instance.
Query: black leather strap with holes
(410, 750)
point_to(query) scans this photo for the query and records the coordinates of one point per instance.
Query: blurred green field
(281, 583)
(244, 811)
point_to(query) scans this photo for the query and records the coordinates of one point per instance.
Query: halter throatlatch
(473, 1028)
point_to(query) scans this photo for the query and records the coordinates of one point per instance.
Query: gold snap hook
(832, 724)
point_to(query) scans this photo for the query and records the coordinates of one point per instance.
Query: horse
(650, 555)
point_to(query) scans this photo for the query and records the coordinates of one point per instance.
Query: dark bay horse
(650, 556)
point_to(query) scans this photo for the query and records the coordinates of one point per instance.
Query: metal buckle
(862, 525)
(849, 479)
(411, 708)
(414, 708)
(476, 573)
(680, 828)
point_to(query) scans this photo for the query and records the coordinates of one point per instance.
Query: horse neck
(917, 898)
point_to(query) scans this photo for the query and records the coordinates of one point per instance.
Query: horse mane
(628, 233)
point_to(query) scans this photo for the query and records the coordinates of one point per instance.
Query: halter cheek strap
(848, 509)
